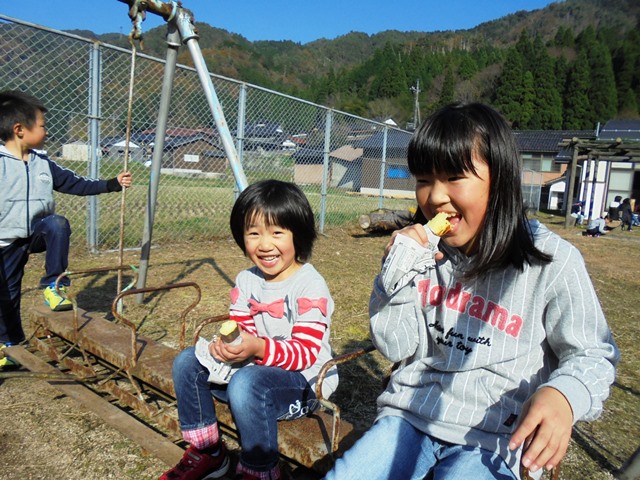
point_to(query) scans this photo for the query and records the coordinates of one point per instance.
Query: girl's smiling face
(465, 197)
(271, 249)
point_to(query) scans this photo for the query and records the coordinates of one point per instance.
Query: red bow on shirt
(275, 309)
(306, 304)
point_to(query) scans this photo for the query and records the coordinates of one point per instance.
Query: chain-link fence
(346, 165)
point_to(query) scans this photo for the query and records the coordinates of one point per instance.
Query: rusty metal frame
(142, 392)
(332, 407)
(133, 327)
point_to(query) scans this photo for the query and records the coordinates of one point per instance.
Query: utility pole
(416, 106)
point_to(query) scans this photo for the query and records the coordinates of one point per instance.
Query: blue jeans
(394, 449)
(258, 397)
(52, 234)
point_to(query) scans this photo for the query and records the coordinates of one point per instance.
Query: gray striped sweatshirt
(472, 353)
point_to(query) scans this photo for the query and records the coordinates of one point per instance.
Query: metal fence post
(95, 84)
(242, 111)
(325, 168)
(569, 186)
(383, 166)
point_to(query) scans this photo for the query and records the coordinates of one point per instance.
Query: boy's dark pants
(51, 234)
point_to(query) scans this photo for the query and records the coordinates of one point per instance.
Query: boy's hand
(545, 429)
(125, 179)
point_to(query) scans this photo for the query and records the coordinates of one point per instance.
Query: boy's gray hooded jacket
(26, 191)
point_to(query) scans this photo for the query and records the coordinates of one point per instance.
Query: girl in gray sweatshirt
(500, 341)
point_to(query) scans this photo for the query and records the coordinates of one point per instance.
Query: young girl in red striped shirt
(283, 307)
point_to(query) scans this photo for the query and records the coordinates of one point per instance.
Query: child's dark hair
(445, 143)
(280, 203)
(17, 107)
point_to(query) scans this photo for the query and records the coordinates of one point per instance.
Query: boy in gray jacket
(28, 224)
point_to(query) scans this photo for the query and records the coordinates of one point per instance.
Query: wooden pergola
(598, 150)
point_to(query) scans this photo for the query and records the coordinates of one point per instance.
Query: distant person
(614, 209)
(626, 215)
(596, 227)
(498, 353)
(577, 212)
(28, 223)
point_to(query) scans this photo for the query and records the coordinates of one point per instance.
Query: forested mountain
(569, 65)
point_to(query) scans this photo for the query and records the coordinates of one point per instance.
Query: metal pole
(594, 184)
(416, 105)
(94, 141)
(173, 43)
(325, 169)
(568, 194)
(242, 109)
(383, 167)
(179, 19)
(184, 21)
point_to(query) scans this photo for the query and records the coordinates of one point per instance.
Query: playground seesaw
(98, 361)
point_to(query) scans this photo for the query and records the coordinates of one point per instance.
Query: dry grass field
(46, 435)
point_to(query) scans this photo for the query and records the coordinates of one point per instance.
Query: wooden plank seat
(311, 442)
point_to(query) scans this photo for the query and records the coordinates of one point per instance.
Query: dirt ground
(46, 435)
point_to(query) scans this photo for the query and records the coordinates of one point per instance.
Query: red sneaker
(199, 466)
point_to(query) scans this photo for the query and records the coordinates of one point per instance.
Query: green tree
(547, 113)
(467, 67)
(629, 105)
(564, 37)
(577, 108)
(448, 88)
(527, 105)
(602, 91)
(561, 75)
(626, 60)
(602, 94)
(509, 90)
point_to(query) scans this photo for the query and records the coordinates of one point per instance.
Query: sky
(301, 21)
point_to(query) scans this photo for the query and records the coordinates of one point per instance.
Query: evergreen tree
(448, 88)
(602, 91)
(389, 76)
(577, 108)
(527, 105)
(467, 67)
(391, 82)
(564, 37)
(628, 105)
(509, 91)
(603, 94)
(526, 49)
(625, 63)
(547, 112)
(562, 75)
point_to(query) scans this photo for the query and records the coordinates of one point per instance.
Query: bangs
(271, 215)
(444, 144)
